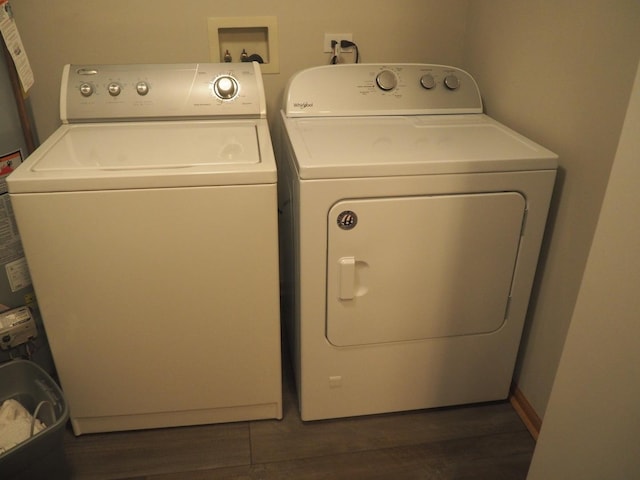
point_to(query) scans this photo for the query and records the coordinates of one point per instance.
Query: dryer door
(409, 268)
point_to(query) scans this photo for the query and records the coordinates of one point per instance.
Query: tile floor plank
(492, 457)
(273, 441)
(120, 455)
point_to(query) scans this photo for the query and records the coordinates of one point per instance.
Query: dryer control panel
(92, 93)
(381, 89)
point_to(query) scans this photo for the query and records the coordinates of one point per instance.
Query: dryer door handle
(347, 278)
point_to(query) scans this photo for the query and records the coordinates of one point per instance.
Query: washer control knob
(225, 87)
(451, 82)
(387, 80)
(114, 89)
(86, 89)
(427, 81)
(142, 88)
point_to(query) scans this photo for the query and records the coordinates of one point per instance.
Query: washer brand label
(347, 220)
(303, 105)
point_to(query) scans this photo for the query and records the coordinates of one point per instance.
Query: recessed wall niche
(254, 35)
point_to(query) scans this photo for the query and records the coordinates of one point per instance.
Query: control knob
(427, 81)
(225, 87)
(142, 88)
(86, 89)
(387, 80)
(114, 89)
(451, 82)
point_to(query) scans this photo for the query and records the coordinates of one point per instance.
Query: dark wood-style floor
(486, 441)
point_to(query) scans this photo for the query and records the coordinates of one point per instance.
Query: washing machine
(411, 224)
(149, 222)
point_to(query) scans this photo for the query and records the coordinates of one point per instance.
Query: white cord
(37, 411)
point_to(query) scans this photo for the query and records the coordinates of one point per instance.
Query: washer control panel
(381, 89)
(153, 91)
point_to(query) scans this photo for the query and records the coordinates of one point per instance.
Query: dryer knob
(225, 87)
(451, 82)
(387, 80)
(427, 81)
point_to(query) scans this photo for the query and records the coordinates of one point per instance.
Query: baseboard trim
(525, 411)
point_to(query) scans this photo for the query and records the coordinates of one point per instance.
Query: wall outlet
(336, 36)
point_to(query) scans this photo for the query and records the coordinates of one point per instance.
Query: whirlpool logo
(303, 105)
(347, 220)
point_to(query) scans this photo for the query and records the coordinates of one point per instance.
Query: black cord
(347, 44)
(252, 58)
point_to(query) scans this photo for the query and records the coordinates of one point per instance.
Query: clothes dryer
(149, 222)
(411, 224)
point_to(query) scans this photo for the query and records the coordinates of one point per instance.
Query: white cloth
(15, 425)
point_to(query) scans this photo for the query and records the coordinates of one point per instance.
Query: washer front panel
(131, 282)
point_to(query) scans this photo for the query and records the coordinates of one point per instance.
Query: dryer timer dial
(387, 80)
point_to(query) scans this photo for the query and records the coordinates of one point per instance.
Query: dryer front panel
(411, 268)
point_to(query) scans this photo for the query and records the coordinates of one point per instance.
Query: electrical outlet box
(337, 37)
(17, 326)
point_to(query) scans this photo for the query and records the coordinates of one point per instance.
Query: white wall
(166, 31)
(592, 424)
(560, 72)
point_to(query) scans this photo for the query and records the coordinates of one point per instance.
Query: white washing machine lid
(350, 147)
(134, 155)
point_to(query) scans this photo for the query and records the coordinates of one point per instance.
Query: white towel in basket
(16, 425)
